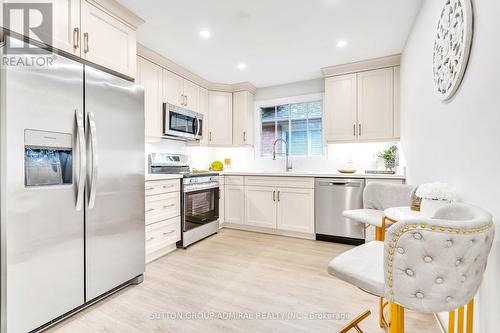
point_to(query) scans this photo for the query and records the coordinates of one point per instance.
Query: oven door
(179, 122)
(200, 207)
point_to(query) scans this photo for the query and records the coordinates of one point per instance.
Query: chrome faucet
(288, 162)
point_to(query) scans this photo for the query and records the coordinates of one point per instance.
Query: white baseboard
(160, 253)
(269, 231)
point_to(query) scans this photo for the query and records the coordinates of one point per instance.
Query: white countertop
(317, 174)
(150, 176)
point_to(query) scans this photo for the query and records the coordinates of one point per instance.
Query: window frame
(284, 101)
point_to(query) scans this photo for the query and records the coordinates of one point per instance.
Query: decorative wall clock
(452, 46)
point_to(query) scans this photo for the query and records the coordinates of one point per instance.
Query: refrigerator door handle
(82, 171)
(93, 144)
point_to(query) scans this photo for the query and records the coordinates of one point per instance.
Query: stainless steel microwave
(182, 123)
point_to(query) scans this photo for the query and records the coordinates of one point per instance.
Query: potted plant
(390, 157)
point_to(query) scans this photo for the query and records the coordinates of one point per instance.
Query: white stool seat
(363, 267)
(367, 216)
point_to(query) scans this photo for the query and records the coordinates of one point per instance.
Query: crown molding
(360, 66)
(119, 11)
(168, 64)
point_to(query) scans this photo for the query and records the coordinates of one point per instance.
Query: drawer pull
(150, 188)
(150, 239)
(169, 206)
(168, 233)
(150, 210)
(168, 186)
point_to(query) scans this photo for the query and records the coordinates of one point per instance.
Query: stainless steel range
(199, 200)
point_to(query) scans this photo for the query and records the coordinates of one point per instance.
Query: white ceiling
(281, 41)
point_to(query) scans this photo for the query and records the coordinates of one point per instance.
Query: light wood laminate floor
(245, 274)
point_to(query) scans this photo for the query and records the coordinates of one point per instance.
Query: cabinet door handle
(210, 136)
(187, 101)
(76, 38)
(279, 196)
(86, 48)
(354, 129)
(244, 136)
(274, 195)
(360, 130)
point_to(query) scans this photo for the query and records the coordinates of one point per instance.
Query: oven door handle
(211, 187)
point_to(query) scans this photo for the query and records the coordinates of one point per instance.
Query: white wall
(291, 89)
(360, 156)
(458, 142)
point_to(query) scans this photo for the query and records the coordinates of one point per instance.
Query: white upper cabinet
(220, 119)
(107, 41)
(180, 92)
(397, 102)
(191, 96)
(173, 87)
(375, 104)
(100, 31)
(65, 24)
(203, 109)
(362, 106)
(341, 110)
(243, 112)
(150, 76)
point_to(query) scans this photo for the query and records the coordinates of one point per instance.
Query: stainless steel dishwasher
(332, 197)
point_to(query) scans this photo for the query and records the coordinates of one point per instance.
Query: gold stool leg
(379, 236)
(451, 322)
(470, 316)
(460, 325)
(397, 321)
(355, 323)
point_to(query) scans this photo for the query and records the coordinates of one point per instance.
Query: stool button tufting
(409, 272)
(449, 243)
(417, 235)
(439, 280)
(462, 278)
(458, 262)
(419, 295)
(428, 259)
(448, 299)
(400, 250)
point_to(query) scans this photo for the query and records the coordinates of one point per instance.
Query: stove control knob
(192, 181)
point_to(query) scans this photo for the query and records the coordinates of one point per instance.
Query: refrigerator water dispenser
(48, 158)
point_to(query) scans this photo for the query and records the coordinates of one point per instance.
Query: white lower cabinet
(296, 209)
(163, 217)
(234, 204)
(260, 206)
(277, 204)
(221, 206)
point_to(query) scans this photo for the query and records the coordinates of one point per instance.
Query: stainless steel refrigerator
(72, 189)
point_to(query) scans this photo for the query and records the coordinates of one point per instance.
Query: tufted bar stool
(377, 197)
(427, 265)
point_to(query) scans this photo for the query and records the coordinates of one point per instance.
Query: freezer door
(42, 245)
(115, 193)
